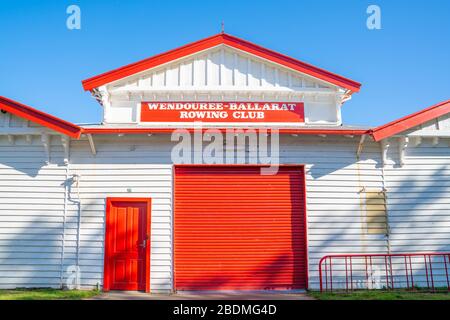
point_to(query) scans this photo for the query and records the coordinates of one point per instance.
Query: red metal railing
(385, 271)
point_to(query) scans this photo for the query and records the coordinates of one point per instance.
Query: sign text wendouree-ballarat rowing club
(222, 112)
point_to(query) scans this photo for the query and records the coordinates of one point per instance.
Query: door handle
(143, 244)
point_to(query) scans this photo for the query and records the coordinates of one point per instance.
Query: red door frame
(108, 241)
(244, 165)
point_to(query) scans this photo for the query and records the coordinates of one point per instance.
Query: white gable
(225, 68)
(11, 124)
(439, 127)
(222, 73)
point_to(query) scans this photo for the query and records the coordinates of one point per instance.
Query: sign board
(292, 112)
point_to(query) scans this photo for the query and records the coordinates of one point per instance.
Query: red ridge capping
(40, 117)
(411, 121)
(222, 38)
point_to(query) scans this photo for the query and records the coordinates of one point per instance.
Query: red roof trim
(411, 121)
(40, 117)
(210, 42)
(170, 130)
(291, 63)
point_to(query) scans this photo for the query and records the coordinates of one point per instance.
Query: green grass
(46, 294)
(381, 295)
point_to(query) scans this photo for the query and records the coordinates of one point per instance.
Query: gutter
(355, 132)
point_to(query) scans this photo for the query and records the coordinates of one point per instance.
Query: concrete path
(133, 295)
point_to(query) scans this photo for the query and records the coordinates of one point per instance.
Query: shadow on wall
(230, 281)
(419, 221)
(33, 233)
(29, 156)
(31, 226)
(30, 166)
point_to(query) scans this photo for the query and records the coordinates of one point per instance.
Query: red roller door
(236, 229)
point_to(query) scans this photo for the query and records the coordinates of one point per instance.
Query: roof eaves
(410, 121)
(39, 117)
(309, 131)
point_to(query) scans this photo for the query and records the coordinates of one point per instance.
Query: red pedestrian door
(127, 244)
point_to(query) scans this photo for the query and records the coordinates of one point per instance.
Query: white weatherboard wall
(125, 167)
(419, 198)
(140, 166)
(419, 191)
(31, 214)
(335, 180)
(222, 74)
(33, 226)
(32, 207)
(418, 206)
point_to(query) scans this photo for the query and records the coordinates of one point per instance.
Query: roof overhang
(226, 39)
(39, 117)
(299, 131)
(74, 131)
(413, 120)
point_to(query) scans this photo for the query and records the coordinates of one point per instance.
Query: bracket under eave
(92, 144)
(65, 140)
(45, 138)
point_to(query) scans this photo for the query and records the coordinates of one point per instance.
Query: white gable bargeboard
(222, 74)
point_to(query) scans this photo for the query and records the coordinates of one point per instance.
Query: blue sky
(404, 67)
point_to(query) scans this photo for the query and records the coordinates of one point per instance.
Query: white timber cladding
(34, 224)
(40, 235)
(419, 200)
(32, 214)
(437, 128)
(222, 74)
(32, 203)
(11, 125)
(419, 190)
